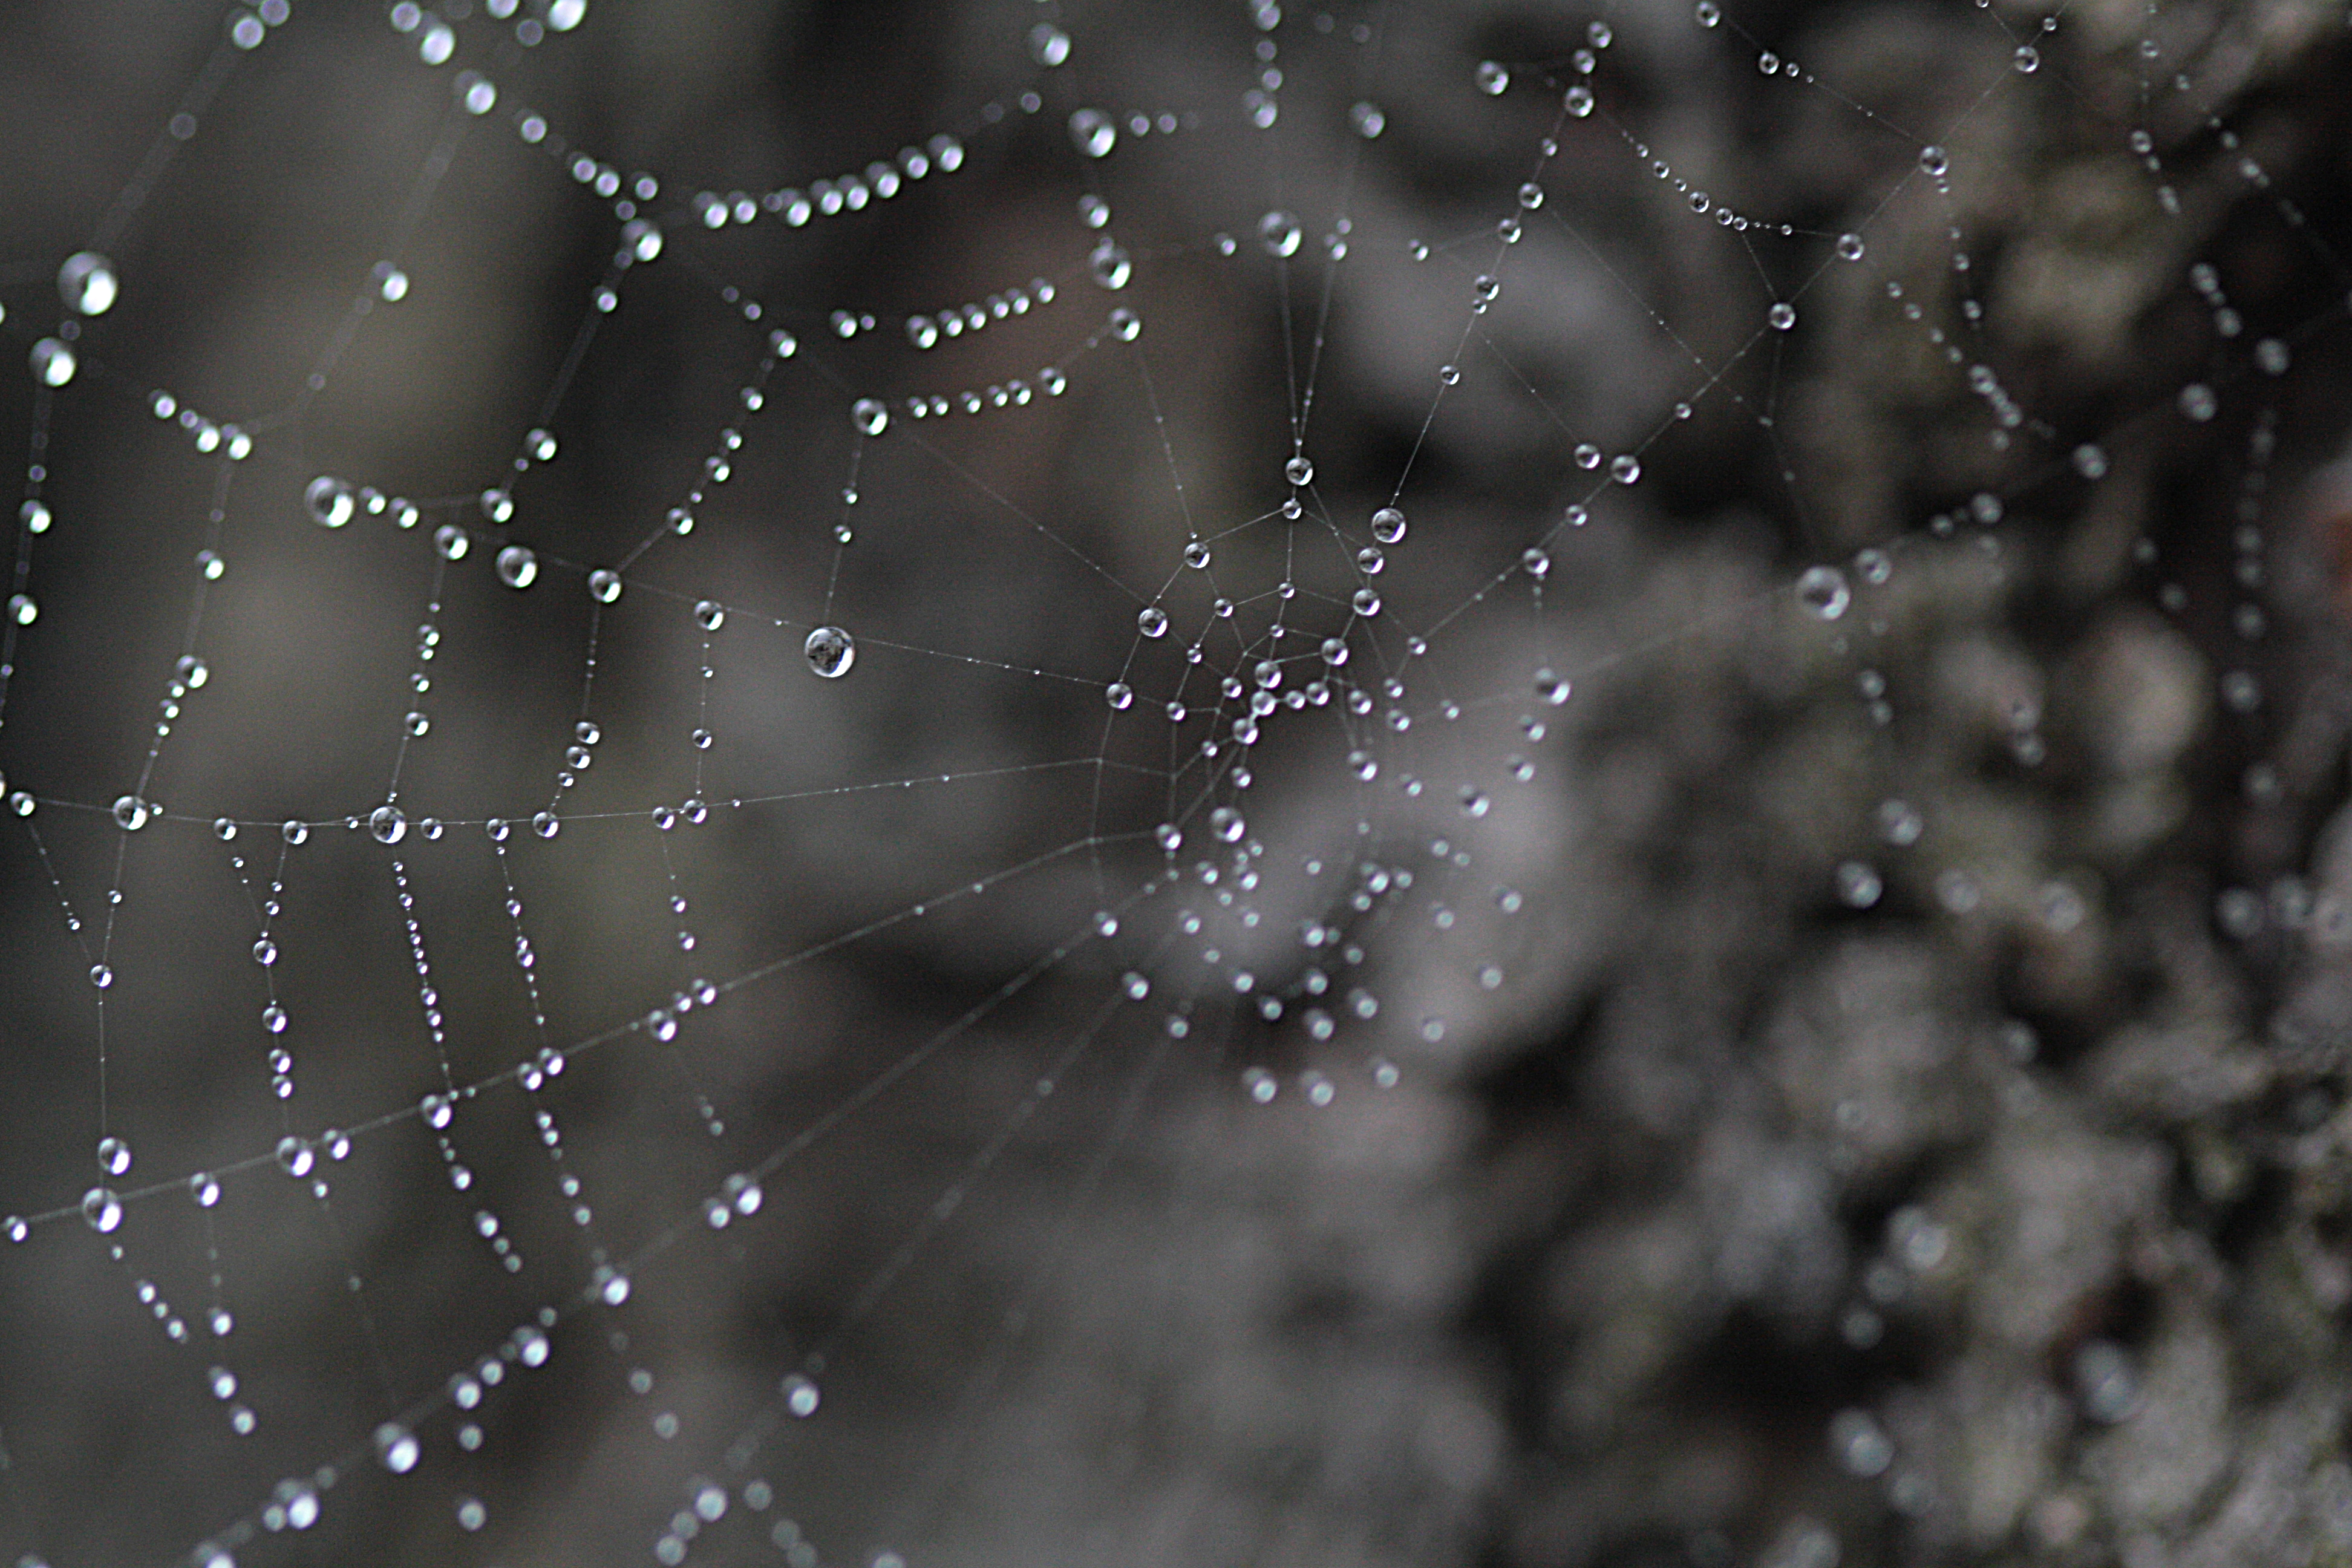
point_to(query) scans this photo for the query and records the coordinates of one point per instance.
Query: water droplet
(2028, 59)
(1625, 467)
(113, 1156)
(1859, 1445)
(710, 614)
(1151, 621)
(1280, 233)
(1049, 47)
(87, 283)
(1492, 79)
(831, 651)
(1093, 132)
(1366, 602)
(1388, 525)
(1782, 315)
(451, 542)
(603, 585)
(2091, 461)
(2198, 402)
(1109, 264)
(1850, 247)
(1823, 591)
(130, 813)
(103, 1209)
(53, 362)
(1119, 695)
(295, 1157)
(387, 825)
(1707, 13)
(1858, 886)
(330, 501)
(1196, 555)
(1537, 563)
(1578, 100)
(871, 415)
(1552, 688)
(1368, 120)
(518, 566)
(1126, 325)
(396, 1447)
(1934, 161)
(799, 1396)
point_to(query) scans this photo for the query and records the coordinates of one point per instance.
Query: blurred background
(1860, 1080)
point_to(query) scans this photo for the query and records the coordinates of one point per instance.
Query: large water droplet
(103, 1209)
(1109, 264)
(640, 239)
(1093, 134)
(1280, 233)
(396, 1447)
(1492, 79)
(1823, 591)
(330, 501)
(53, 362)
(831, 651)
(1049, 47)
(871, 415)
(87, 282)
(518, 566)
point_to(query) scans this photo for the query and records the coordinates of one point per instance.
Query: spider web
(728, 860)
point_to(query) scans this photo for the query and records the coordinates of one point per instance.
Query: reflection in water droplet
(1093, 134)
(87, 283)
(831, 651)
(1822, 590)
